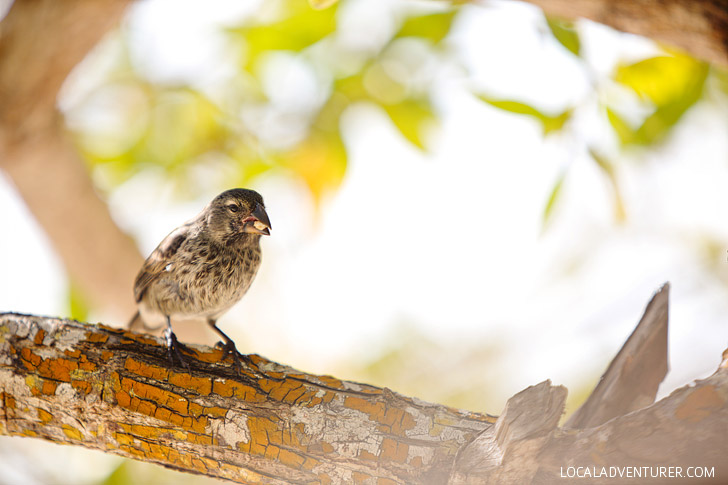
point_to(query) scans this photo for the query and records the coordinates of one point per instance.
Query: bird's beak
(257, 222)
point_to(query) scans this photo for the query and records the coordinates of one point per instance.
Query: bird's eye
(233, 208)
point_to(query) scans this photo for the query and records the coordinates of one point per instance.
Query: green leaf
(672, 83)
(121, 475)
(608, 169)
(664, 79)
(434, 27)
(550, 123)
(626, 134)
(301, 28)
(78, 307)
(553, 198)
(410, 117)
(565, 33)
(721, 78)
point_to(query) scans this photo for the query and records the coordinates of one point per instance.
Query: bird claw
(229, 349)
(174, 353)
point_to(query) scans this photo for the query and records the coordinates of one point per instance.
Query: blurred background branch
(698, 27)
(40, 43)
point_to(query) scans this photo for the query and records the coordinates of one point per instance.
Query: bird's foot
(229, 349)
(174, 348)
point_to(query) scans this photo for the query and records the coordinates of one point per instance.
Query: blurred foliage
(321, 4)
(666, 85)
(252, 130)
(415, 364)
(550, 123)
(78, 308)
(565, 33)
(433, 27)
(144, 473)
(671, 84)
(176, 127)
(608, 169)
(551, 201)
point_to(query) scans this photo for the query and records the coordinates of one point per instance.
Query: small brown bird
(203, 267)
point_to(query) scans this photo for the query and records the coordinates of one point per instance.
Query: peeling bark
(115, 391)
(632, 379)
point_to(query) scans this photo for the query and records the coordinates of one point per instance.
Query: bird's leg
(173, 346)
(228, 347)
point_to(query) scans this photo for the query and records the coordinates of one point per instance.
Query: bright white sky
(451, 242)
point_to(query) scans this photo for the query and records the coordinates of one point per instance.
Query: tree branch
(631, 380)
(107, 389)
(699, 27)
(115, 391)
(41, 41)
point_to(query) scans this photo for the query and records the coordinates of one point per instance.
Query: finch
(203, 267)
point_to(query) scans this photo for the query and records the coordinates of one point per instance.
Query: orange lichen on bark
(200, 385)
(39, 336)
(700, 404)
(97, 337)
(8, 400)
(75, 354)
(150, 393)
(72, 433)
(214, 411)
(263, 432)
(331, 382)
(213, 356)
(44, 416)
(360, 477)
(84, 387)
(291, 459)
(392, 420)
(146, 370)
(367, 455)
(394, 451)
(280, 390)
(375, 410)
(85, 365)
(48, 387)
(30, 359)
(59, 369)
(230, 388)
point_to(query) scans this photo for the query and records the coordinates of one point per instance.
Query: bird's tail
(137, 318)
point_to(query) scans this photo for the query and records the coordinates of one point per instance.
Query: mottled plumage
(205, 266)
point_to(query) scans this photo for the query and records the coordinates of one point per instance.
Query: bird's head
(236, 212)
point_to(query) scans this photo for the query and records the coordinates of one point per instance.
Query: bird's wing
(156, 263)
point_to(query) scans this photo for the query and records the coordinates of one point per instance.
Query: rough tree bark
(103, 388)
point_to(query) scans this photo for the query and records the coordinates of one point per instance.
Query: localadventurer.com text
(637, 472)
